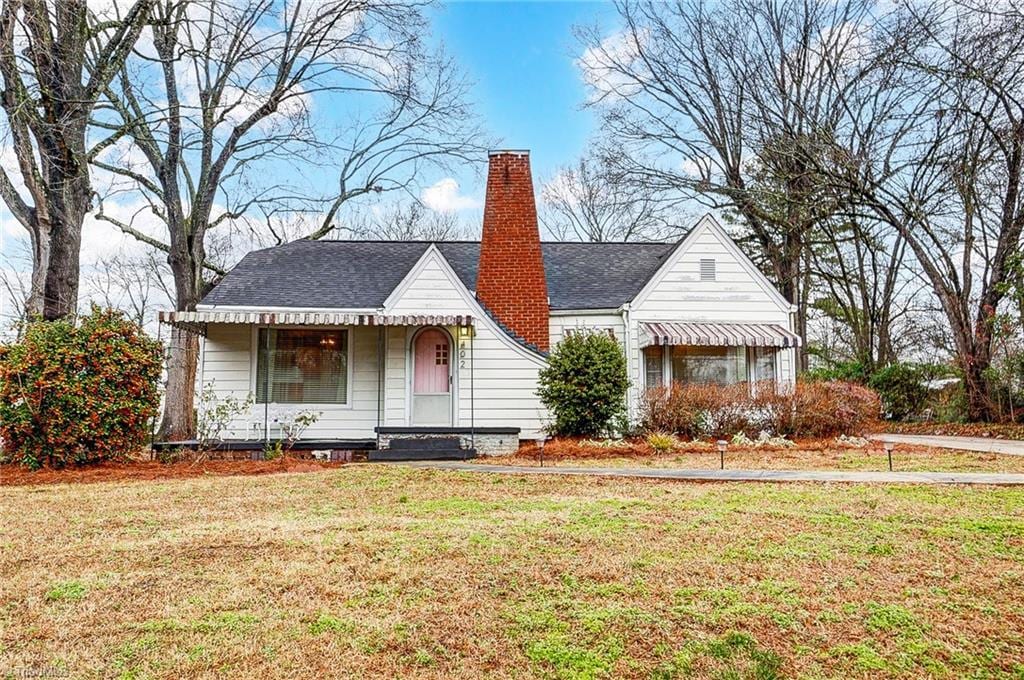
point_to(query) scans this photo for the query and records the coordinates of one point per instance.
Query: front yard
(394, 571)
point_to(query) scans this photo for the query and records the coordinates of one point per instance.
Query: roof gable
(709, 225)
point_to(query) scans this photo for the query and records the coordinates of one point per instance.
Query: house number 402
(462, 355)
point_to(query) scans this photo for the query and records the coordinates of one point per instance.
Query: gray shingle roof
(361, 274)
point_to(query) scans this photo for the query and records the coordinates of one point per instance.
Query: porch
(342, 381)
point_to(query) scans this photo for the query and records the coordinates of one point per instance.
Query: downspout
(381, 367)
(472, 390)
(629, 362)
(266, 386)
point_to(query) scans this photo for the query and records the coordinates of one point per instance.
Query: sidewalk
(980, 444)
(1000, 479)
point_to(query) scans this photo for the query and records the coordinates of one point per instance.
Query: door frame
(410, 376)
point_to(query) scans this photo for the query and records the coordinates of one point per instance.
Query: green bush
(78, 393)
(841, 371)
(584, 385)
(902, 389)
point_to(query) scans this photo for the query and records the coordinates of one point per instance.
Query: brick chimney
(511, 282)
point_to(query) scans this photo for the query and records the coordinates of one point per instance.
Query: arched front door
(431, 378)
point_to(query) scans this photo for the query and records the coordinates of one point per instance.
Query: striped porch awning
(717, 334)
(201, 317)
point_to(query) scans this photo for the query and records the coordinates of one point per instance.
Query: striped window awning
(314, 318)
(717, 334)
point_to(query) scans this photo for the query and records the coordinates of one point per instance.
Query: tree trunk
(40, 264)
(179, 418)
(60, 291)
(976, 389)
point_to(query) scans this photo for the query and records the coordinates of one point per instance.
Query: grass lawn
(400, 572)
(905, 459)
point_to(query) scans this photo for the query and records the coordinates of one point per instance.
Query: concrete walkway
(999, 479)
(979, 444)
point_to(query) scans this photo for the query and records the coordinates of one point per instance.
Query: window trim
(254, 341)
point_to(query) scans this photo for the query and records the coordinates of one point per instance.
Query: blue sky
(528, 89)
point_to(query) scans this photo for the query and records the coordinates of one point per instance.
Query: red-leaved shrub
(827, 409)
(813, 409)
(77, 393)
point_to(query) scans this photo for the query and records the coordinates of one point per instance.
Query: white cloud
(604, 66)
(444, 196)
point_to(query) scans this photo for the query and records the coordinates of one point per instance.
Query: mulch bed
(568, 448)
(17, 475)
(1014, 431)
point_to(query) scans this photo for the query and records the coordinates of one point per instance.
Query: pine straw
(1013, 431)
(388, 571)
(18, 475)
(809, 454)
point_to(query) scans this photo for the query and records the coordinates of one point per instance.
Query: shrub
(829, 409)
(584, 384)
(811, 409)
(662, 442)
(842, 371)
(902, 389)
(695, 410)
(78, 393)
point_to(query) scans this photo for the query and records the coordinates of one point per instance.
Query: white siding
(561, 323)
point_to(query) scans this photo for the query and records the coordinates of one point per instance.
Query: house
(389, 341)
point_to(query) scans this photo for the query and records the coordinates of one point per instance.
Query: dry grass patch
(379, 570)
(806, 455)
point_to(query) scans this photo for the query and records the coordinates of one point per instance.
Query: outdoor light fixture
(722, 445)
(465, 331)
(540, 446)
(888, 452)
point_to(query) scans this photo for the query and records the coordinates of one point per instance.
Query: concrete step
(425, 444)
(420, 454)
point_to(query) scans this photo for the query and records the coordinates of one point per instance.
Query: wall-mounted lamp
(466, 331)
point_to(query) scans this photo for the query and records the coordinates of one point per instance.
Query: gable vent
(707, 270)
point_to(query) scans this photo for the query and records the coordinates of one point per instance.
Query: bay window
(302, 366)
(719, 365)
(704, 364)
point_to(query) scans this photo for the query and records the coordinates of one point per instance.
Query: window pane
(653, 357)
(299, 366)
(718, 365)
(764, 363)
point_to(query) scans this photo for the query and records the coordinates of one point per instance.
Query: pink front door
(431, 387)
(431, 363)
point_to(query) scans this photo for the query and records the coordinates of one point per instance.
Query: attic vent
(707, 270)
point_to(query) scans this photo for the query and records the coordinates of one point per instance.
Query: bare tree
(710, 103)
(139, 284)
(936, 141)
(863, 280)
(409, 222)
(590, 202)
(221, 113)
(56, 58)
